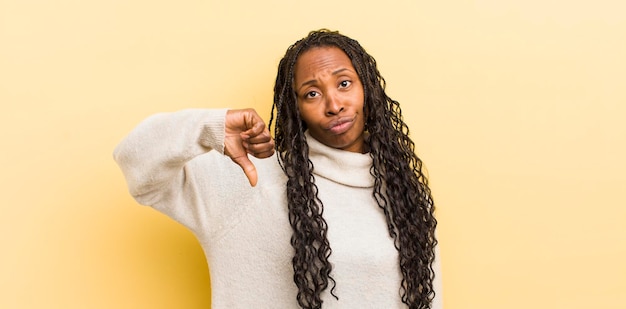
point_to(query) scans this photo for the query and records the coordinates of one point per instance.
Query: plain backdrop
(517, 109)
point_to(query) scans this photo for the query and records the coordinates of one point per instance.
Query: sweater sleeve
(437, 283)
(155, 160)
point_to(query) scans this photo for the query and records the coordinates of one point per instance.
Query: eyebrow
(312, 81)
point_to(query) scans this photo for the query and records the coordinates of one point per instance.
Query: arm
(166, 165)
(153, 155)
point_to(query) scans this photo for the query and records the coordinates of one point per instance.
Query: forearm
(153, 155)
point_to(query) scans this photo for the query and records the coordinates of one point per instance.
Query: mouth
(341, 125)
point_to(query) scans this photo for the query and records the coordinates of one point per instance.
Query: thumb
(248, 168)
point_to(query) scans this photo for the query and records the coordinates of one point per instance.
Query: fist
(246, 133)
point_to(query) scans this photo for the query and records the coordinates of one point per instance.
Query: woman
(344, 203)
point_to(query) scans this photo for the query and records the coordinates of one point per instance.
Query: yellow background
(517, 108)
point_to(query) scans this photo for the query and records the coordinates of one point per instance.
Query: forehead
(319, 59)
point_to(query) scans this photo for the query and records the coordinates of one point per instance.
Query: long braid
(312, 249)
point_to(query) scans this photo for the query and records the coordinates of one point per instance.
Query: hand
(246, 134)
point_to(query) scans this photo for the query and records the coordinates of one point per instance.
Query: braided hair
(400, 188)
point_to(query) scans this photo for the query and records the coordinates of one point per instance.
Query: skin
(246, 133)
(330, 98)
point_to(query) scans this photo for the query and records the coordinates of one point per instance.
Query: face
(330, 98)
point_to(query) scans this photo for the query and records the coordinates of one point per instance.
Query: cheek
(305, 116)
(309, 112)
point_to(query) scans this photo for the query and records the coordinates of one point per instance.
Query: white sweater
(174, 162)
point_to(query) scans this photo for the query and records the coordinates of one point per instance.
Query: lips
(341, 125)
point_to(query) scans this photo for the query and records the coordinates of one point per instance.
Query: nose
(333, 105)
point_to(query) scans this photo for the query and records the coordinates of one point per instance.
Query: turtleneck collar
(340, 166)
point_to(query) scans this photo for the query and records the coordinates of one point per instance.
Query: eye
(345, 84)
(311, 94)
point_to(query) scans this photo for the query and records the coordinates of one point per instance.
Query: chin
(345, 144)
